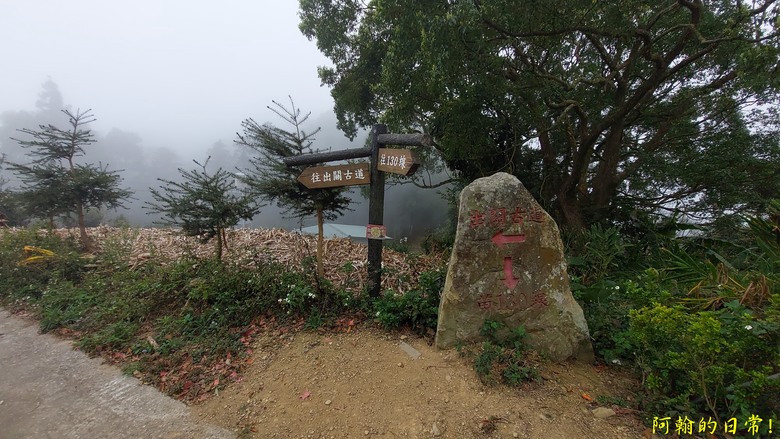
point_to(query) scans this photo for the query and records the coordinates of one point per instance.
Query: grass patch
(185, 326)
(504, 356)
(418, 308)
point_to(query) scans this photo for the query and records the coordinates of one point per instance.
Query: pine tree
(269, 177)
(55, 184)
(203, 204)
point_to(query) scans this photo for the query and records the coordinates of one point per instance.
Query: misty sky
(181, 74)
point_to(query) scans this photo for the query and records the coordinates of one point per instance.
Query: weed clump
(418, 308)
(504, 356)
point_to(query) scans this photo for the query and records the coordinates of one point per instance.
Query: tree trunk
(550, 171)
(83, 238)
(604, 184)
(219, 244)
(571, 212)
(320, 256)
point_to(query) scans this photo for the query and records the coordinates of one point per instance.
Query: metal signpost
(398, 161)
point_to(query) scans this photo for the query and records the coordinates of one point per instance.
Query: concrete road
(49, 390)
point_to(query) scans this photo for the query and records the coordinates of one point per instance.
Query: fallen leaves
(344, 263)
(344, 325)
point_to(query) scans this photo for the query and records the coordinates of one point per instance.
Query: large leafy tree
(55, 183)
(270, 178)
(600, 108)
(204, 204)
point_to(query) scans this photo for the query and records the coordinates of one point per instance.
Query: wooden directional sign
(318, 177)
(397, 161)
(371, 174)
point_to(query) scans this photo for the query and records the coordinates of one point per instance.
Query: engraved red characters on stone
(476, 219)
(498, 216)
(537, 216)
(484, 302)
(540, 298)
(518, 215)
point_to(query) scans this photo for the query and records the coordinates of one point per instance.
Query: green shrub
(418, 308)
(441, 239)
(708, 361)
(701, 321)
(596, 254)
(502, 357)
(607, 309)
(400, 245)
(26, 282)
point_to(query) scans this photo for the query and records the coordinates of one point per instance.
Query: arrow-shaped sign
(509, 278)
(500, 239)
(317, 177)
(397, 161)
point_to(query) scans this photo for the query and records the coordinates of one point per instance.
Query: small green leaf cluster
(418, 308)
(720, 361)
(502, 357)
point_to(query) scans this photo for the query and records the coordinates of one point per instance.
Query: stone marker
(507, 264)
(406, 347)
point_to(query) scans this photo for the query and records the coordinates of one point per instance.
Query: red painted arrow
(501, 239)
(509, 279)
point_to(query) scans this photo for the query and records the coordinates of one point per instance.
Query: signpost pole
(376, 199)
(376, 203)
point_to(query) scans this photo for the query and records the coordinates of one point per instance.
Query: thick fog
(170, 82)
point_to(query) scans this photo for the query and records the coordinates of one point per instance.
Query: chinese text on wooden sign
(397, 161)
(316, 177)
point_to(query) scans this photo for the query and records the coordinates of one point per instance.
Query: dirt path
(364, 385)
(49, 390)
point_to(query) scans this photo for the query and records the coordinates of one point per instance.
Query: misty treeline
(409, 211)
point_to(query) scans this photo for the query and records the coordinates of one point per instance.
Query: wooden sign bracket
(379, 137)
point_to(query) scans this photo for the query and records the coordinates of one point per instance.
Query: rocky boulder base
(507, 265)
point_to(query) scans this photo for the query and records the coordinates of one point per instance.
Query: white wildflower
(748, 327)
